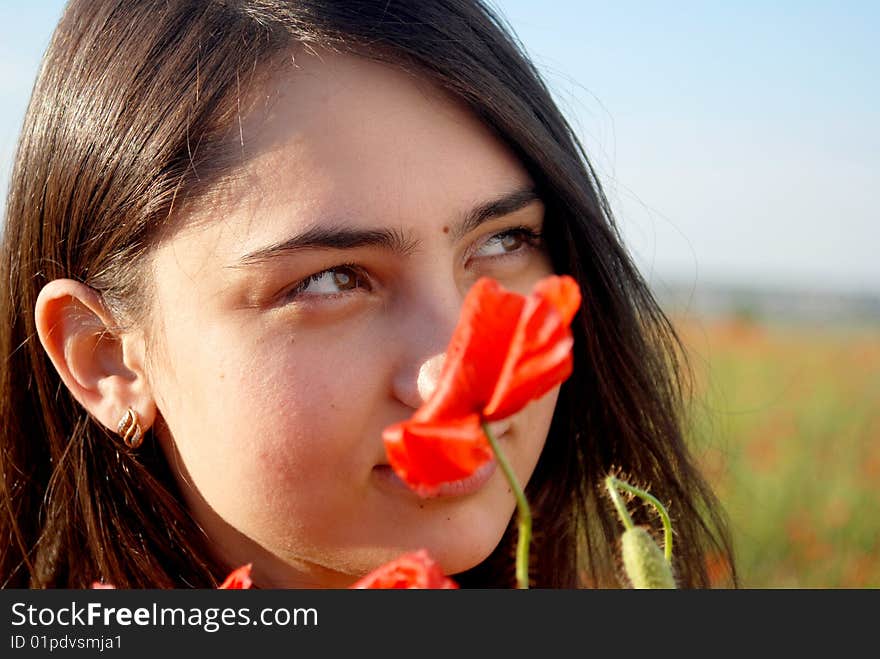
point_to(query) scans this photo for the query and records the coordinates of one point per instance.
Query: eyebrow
(334, 236)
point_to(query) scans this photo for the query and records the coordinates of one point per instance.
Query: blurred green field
(786, 424)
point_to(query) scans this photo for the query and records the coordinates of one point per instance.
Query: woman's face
(310, 309)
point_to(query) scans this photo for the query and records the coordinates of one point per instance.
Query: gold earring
(130, 429)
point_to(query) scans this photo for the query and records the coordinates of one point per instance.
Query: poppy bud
(643, 560)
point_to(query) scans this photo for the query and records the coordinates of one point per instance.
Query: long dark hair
(130, 121)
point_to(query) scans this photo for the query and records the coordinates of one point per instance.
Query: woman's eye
(333, 281)
(507, 242)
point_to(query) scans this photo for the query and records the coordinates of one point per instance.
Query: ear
(101, 366)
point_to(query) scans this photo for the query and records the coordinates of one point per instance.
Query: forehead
(341, 136)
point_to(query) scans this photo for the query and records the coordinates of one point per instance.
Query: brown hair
(130, 119)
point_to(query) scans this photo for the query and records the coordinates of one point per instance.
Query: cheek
(274, 428)
(534, 425)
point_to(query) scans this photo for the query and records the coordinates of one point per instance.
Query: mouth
(389, 480)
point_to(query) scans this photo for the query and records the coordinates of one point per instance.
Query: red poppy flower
(506, 351)
(239, 579)
(414, 570)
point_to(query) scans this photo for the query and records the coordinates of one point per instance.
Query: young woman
(237, 241)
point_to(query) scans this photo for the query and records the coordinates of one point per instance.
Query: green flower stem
(523, 511)
(612, 484)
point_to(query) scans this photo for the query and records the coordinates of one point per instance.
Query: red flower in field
(413, 570)
(239, 579)
(506, 351)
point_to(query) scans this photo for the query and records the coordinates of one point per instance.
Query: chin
(460, 551)
(462, 539)
(457, 561)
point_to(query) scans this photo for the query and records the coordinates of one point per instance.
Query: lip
(473, 483)
(468, 485)
(386, 476)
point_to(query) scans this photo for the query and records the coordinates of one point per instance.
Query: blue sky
(736, 141)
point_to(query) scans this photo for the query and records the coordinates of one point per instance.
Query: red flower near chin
(413, 570)
(506, 351)
(239, 579)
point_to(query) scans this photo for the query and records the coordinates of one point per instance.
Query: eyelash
(295, 291)
(531, 240)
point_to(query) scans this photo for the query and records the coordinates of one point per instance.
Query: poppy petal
(426, 455)
(563, 293)
(539, 354)
(414, 570)
(476, 352)
(239, 579)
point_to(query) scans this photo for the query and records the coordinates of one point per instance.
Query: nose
(424, 330)
(429, 375)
